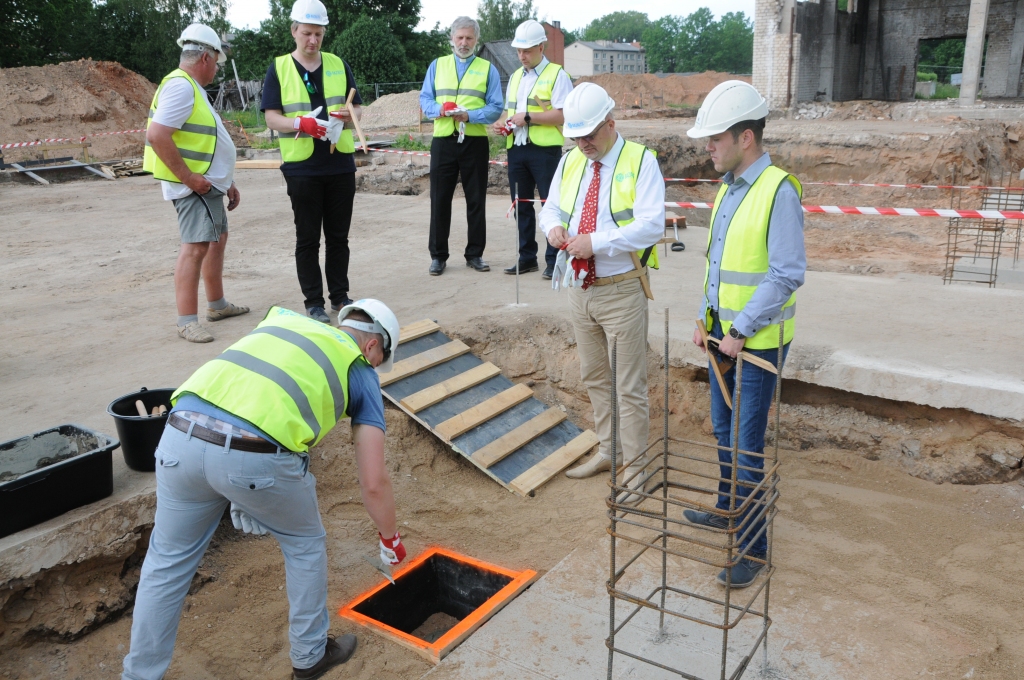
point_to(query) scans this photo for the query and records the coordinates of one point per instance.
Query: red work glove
(391, 549)
(312, 127)
(448, 106)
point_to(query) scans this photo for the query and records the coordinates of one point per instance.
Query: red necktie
(588, 223)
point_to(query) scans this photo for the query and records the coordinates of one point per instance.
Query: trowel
(381, 567)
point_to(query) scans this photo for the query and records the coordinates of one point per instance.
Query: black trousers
(322, 203)
(449, 161)
(532, 167)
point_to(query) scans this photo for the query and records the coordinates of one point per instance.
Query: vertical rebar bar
(737, 394)
(516, 213)
(769, 531)
(612, 500)
(664, 491)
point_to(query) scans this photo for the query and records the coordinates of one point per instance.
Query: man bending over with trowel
(239, 433)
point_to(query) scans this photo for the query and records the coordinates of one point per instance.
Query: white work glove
(559, 271)
(462, 132)
(244, 522)
(334, 129)
(391, 549)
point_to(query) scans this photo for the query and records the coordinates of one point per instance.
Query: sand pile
(392, 110)
(677, 89)
(73, 99)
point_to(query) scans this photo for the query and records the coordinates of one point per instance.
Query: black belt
(218, 438)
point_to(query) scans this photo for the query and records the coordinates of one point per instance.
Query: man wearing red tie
(605, 212)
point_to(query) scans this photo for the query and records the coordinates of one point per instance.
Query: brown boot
(336, 653)
(596, 464)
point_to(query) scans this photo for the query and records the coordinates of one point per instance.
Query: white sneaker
(597, 463)
(193, 332)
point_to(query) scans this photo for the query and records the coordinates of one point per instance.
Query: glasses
(310, 87)
(592, 135)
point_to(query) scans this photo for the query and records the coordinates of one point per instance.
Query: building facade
(588, 58)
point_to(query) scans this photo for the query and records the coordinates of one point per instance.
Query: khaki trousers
(600, 315)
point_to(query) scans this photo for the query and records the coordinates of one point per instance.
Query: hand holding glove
(391, 549)
(448, 108)
(244, 522)
(310, 125)
(335, 126)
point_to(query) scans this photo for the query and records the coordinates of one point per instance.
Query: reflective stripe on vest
(623, 190)
(288, 378)
(745, 258)
(196, 139)
(470, 92)
(295, 102)
(541, 135)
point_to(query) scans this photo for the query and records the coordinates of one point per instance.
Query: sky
(572, 13)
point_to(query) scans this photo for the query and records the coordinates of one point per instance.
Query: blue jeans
(755, 401)
(195, 481)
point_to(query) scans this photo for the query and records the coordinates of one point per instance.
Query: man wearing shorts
(191, 153)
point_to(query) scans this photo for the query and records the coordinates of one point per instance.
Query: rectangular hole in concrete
(437, 601)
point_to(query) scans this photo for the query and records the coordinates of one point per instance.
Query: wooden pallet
(497, 425)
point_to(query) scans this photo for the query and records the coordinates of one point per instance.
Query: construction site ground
(899, 543)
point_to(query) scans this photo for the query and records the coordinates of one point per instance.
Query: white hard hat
(201, 34)
(586, 107)
(731, 102)
(309, 12)
(384, 322)
(529, 34)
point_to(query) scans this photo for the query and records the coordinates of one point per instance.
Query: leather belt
(218, 438)
(609, 280)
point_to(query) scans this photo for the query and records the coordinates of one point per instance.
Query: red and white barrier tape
(886, 212)
(865, 184)
(57, 140)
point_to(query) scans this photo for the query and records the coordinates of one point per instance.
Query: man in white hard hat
(190, 151)
(304, 91)
(239, 434)
(533, 125)
(755, 263)
(606, 209)
(461, 93)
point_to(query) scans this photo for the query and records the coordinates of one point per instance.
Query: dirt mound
(392, 110)
(681, 90)
(73, 99)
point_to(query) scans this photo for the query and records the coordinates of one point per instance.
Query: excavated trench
(940, 445)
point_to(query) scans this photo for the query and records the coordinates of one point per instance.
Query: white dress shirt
(559, 91)
(612, 245)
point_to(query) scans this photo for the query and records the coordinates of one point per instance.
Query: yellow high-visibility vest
(196, 139)
(295, 102)
(745, 258)
(470, 92)
(623, 190)
(541, 135)
(289, 378)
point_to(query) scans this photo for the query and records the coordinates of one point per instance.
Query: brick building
(813, 50)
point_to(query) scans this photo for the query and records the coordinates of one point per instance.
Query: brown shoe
(336, 653)
(193, 332)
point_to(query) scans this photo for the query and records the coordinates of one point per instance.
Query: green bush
(373, 52)
(408, 143)
(945, 91)
(926, 77)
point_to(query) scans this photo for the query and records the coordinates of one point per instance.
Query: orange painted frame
(442, 646)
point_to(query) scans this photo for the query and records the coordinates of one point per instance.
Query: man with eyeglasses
(239, 434)
(303, 90)
(190, 151)
(606, 211)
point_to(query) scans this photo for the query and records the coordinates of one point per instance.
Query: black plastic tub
(45, 474)
(140, 436)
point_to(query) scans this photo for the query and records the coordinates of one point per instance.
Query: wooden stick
(756, 360)
(644, 283)
(355, 121)
(141, 408)
(715, 367)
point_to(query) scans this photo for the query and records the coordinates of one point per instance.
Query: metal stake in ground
(516, 213)
(611, 505)
(664, 493)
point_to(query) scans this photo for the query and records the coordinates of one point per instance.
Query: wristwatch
(735, 334)
(527, 117)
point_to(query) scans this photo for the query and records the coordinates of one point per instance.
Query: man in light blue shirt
(454, 155)
(755, 263)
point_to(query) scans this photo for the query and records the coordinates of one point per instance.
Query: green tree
(942, 57)
(696, 44)
(373, 52)
(617, 26)
(254, 50)
(733, 47)
(424, 47)
(661, 42)
(498, 18)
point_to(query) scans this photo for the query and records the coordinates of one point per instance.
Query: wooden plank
(553, 464)
(442, 390)
(423, 361)
(481, 413)
(416, 330)
(258, 165)
(517, 438)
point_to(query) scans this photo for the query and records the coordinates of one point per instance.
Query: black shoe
(437, 266)
(743, 574)
(549, 271)
(478, 264)
(336, 653)
(318, 314)
(706, 519)
(345, 302)
(524, 268)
